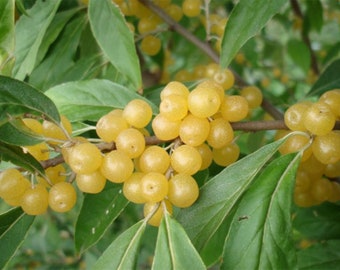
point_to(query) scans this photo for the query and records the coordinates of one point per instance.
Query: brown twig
(304, 35)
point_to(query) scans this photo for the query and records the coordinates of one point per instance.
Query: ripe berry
(156, 218)
(165, 129)
(137, 113)
(174, 107)
(194, 130)
(109, 126)
(295, 143)
(62, 197)
(131, 141)
(84, 158)
(91, 183)
(294, 116)
(12, 184)
(154, 187)
(117, 166)
(320, 189)
(191, 8)
(51, 130)
(203, 101)
(253, 95)
(33, 125)
(221, 133)
(151, 45)
(226, 155)
(183, 190)
(206, 155)
(35, 200)
(39, 151)
(225, 78)
(186, 159)
(154, 159)
(319, 119)
(174, 88)
(234, 108)
(326, 148)
(332, 99)
(54, 174)
(132, 188)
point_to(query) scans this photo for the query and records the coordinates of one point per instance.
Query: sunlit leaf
(97, 214)
(30, 30)
(263, 221)
(14, 226)
(246, 19)
(89, 100)
(174, 251)
(116, 40)
(219, 196)
(122, 253)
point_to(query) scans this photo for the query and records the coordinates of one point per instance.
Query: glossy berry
(174, 88)
(326, 148)
(165, 129)
(234, 108)
(12, 184)
(183, 190)
(35, 200)
(132, 188)
(174, 107)
(226, 155)
(203, 101)
(52, 130)
(319, 119)
(225, 78)
(131, 141)
(154, 159)
(332, 99)
(117, 166)
(186, 159)
(294, 116)
(137, 113)
(194, 130)
(54, 174)
(109, 126)
(62, 197)
(206, 155)
(221, 133)
(296, 143)
(33, 125)
(154, 187)
(320, 189)
(85, 158)
(157, 209)
(91, 183)
(191, 8)
(39, 151)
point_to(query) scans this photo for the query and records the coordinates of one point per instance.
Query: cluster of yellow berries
(193, 129)
(317, 177)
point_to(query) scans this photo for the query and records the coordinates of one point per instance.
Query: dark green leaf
(14, 226)
(123, 252)
(247, 18)
(30, 30)
(329, 79)
(15, 155)
(299, 53)
(174, 249)
(7, 35)
(97, 214)
(117, 40)
(61, 58)
(320, 256)
(221, 193)
(314, 14)
(89, 100)
(17, 97)
(263, 221)
(318, 222)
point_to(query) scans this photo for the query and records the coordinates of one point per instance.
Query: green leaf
(319, 222)
(15, 155)
(263, 221)
(246, 19)
(174, 249)
(219, 196)
(299, 53)
(17, 97)
(97, 214)
(328, 80)
(7, 37)
(89, 100)
(14, 226)
(314, 14)
(61, 58)
(320, 256)
(123, 251)
(30, 30)
(115, 39)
